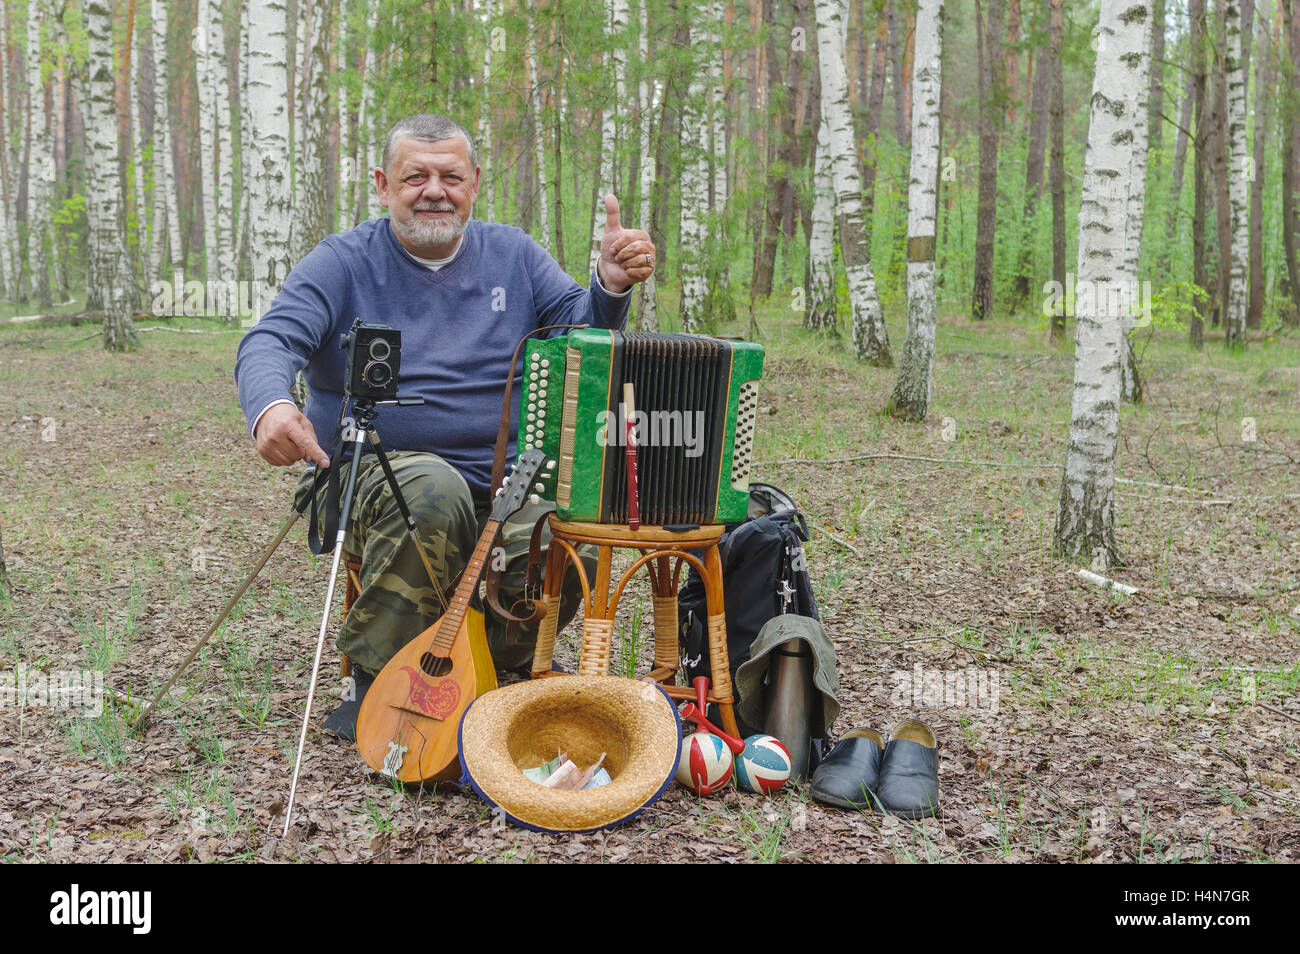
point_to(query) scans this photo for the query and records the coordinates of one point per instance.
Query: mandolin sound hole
(435, 665)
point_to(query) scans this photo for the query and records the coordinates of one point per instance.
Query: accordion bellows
(695, 403)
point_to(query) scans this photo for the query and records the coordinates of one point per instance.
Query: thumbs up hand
(627, 256)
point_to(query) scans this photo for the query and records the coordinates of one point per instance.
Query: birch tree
(989, 40)
(647, 308)
(8, 173)
(535, 97)
(269, 212)
(365, 155)
(347, 175)
(110, 272)
(164, 163)
(1234, 324)
(40, 160)
(911, 397)
(870, 338)
(1085, 519)
(1130, 383)
(615, 31)
(485, 111)
(819, 310)
(695, 145)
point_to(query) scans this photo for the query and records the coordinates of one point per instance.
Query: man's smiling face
(429, 190)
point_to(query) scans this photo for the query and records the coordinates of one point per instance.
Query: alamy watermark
(949, 688)
(653, 429)
(178, 298)
(57, 689)
(1124, 299)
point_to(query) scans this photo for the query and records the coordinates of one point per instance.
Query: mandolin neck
(469, 580)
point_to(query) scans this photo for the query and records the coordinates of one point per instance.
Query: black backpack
(764, 574)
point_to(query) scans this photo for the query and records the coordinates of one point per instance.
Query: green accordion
(695, 400)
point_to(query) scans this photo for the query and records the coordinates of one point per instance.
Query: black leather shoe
(848, 774)
(343, 720)
(909, 772)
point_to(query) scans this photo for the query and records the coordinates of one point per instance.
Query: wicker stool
(662, 552)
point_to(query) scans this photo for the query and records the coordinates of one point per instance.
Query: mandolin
(407, 727)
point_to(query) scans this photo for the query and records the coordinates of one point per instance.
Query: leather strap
(323, 541)
(503, 427)
(532, 582)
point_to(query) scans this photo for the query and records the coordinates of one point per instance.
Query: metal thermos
(791, 698)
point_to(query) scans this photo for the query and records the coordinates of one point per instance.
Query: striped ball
(705, 765)
(764, 766)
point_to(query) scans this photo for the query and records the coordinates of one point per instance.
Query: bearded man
(463, 292)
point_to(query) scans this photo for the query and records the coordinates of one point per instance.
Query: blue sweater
(460, 325)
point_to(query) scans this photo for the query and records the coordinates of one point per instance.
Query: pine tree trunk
(1037, 121)
(1085, 522)
(111, 274)
(896, 66)
(1234, 321)
(1156, 89)
(270, 212)
(1196, 18)
(990, 114)
(870, 337)
(1056, 173)
(911, 397)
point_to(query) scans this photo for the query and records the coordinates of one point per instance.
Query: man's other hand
(627, 256)
(285, 436)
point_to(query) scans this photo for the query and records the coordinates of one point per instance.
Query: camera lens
(380, 349)
(377, 374)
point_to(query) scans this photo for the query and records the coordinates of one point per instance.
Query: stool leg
(544, 652)
(667, 656)
(719, 660)
(598, 625)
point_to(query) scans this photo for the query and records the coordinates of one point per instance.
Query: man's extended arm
(278, 347)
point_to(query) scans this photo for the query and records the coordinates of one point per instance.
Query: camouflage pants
(397, 601)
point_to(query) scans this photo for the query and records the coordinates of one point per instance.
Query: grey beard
(422, 232)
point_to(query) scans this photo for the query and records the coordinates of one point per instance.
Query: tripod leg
(406, 515)
(221, 618)
(345, 512)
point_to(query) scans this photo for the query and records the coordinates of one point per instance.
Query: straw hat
(521, 726)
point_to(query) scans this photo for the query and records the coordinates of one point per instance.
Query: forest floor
(1077, 724)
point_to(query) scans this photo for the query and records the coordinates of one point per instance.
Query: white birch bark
(269, 212)
(110, 271)
(535, 96)
(141, 236)
(40, 161)
(1239, 171)
(366, 156)
(245, 131)
(208, 174)
(485, 112)
(820, 306)
(8, 189)
(1130, 383)
(911, 397)
(164, 159)
(695, 144)
(615, 30)
(870, 337)
(1085, 519)
(346, 174)
(717, 111)
(647, 307)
